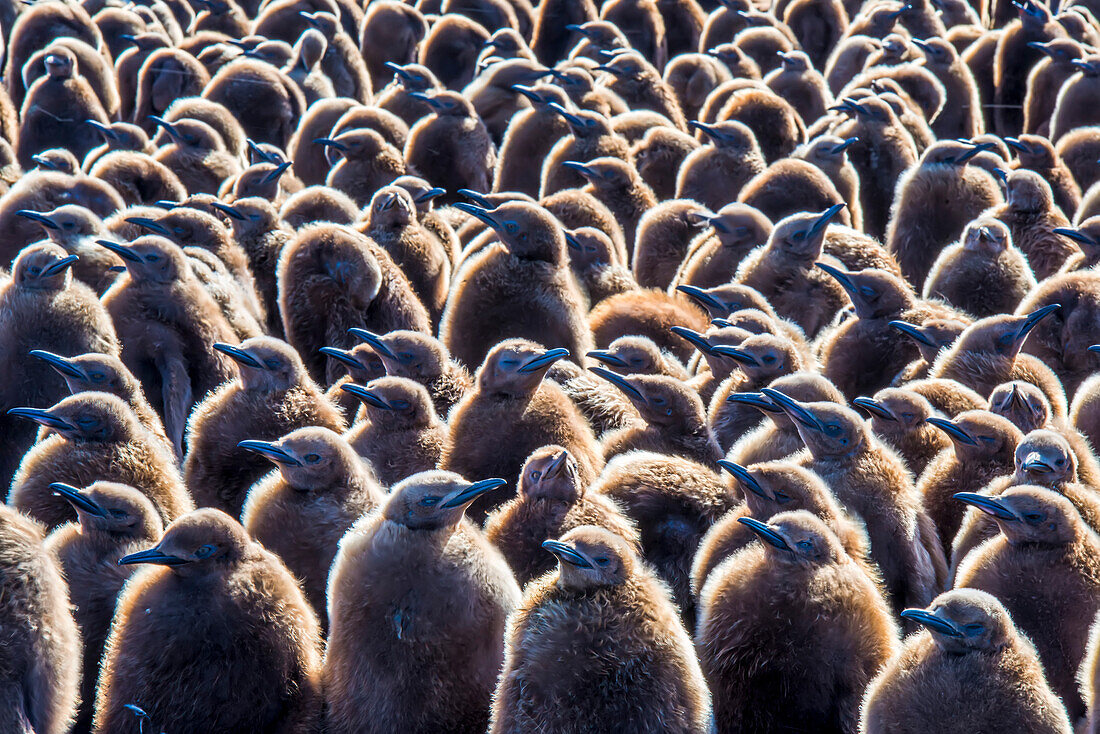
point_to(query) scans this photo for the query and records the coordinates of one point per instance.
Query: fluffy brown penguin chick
(332, 279)
(367, 162)
(551, 499)
(214, 589)
(168, 324)
(451, 147)
(362, 366)
(984, 274)
(637, 355)
(626, 614)
(872, 483)
(1032, 217)
(1044, 568)
(617, 184)
(714, 174)
(982, 448)
(768, 489)
(96, 437)
(673, 419)
(273, 396)
(424, 359)
(401, 433)
(434, 594)
(512, 397)
(774, 663)
(41, 677)
(76, 228)
(900, 418)
(197, 154)
(931, 339)
(113, 520)
(529, 266)
(728, 235)
(970, 668)
(319, 488)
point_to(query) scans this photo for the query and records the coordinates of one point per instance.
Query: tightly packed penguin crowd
(484, 366)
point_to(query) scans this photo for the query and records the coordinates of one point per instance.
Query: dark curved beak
(1095, 349)
(741, 474)
(168, 127)
(330, 143)
(1016, 145)
(696, 339)
(271, 452)
(427, 99)
(260, 153)
(398, 70)
(41, 417)
(78, 500)
(826, 216)
(104, 130)
(953, 431)
(37, 217)
(60, 266)
(341, 356)
(150, 224)
(912, 332)
(765, 532)
(121, 250)
(875, 408)
(1074, 234)
(602, 355)
(1034, 318)
(59, 363)
(566, 553)
(478, 213)
(429, 195)
(555, 467)
(153, 556)
(706, 300)
(544, 360)
(620, 382)
(793, 408)
(574, 121)
(238, 355)
(374, 340)
(571, 240)
(580, 168)
(276, 174)
(365, 395)
(738, 355)
(1033, 462)
(230, 211)
(841, 277)
(464, 497)
(476, 197)
(848, 143)
(755, 399)
(527, 92)
(988, 505)
(932, 622)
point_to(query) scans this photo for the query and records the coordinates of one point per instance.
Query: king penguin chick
(367, 163)
(529, 266)
(217, 590)
(40, 683)
(1044, 568)
(401, 434)
(551, 499)
(819, 653)
(435, 595)
(900, 418)
(319, 488)
(95, 437)
(1031, 215)
(627, 617)
(113, 520)
(167, 323)
(76, 228)
(41, 306)
(728, 235)
(451, 147)
(273, 396)
(616, 184)
(714, 174)
(512, 396)
(969, 668)
(984, 274)
(872, 482)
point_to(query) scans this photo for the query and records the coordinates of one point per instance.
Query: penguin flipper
(177, 395)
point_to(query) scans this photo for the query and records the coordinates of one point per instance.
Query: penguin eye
(782, 498)
(769, 359)
(205, 551)
(1034, 518)
(272, 364)
(68, 225)
(97, 376)
(508, 363)
(430, 501)
(400, 404)
(907, 416)
(805, 545)
(535, 475)
(405, 357)
(1007, 338)
(119, 514)
(152, 258)
(86, 422)
(832, 429)
(636, 360)
(35, 271)
(868, 292)
(312, 458)
(973, 630)
(601, 561)
(589, 248)
(658, 401)
(1060, 462)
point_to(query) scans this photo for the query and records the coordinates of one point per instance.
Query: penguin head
(515, 367)
(121, 135)
(542, 95)
(93, 373)
(1028, 192)
(763, 357)
(434, 500)
(662, 401)
(800, 238)
(360, 362)
(589, 247)
(751, 320)
(260, 179)
(528, 230)
(202, 542)
(740, 226)
(980, 436)
(723, 300)
(447, 103)
(1034, 151)
(87, 417)
(309, 50)
(931, 337)
(187, 226)
(191, 134)
(780, 486)
(422, 192)
(584, 123)
(720, 362)
(987, 236)
(266, 364)
(1001, 336)
(606, 174)
(413, 77)
(60, 63)
(43, 267)
(631, 355)
(57, 159)
(1022, 403)
(550, 478)
(391, 207)
(410, 354)
(827, 429)
(118, 510)
(1059, 50)
(249, 215)
(68, 224)
(805, 387)
(627, 66)
(310, 458)
(797, 538)
(795, 62)
(395, 402)
(938, 53)
(827, 152)
(1030, 515)
(874, 293)
(896, 411)
(591, 557)
(1045, 458)
(963, 621)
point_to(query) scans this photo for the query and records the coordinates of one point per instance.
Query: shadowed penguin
(900, 418)
(421, 358)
